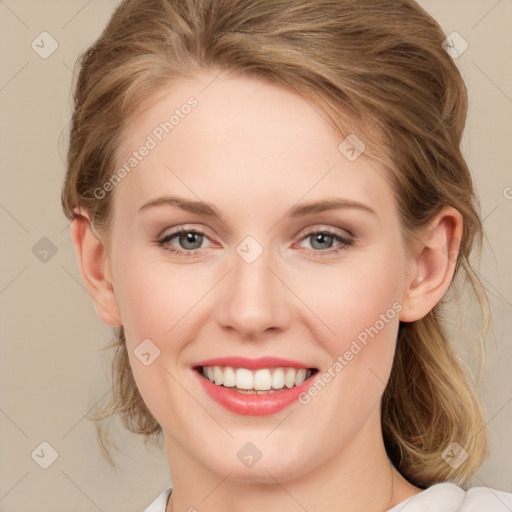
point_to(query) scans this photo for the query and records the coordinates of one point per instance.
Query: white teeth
(289, 379)
(228, 377)
(300, 377)
(218, 375)
(262, 380)
(244, 378)
(278, 378)
(265, 379)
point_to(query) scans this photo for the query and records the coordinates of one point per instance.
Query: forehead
(243, 139)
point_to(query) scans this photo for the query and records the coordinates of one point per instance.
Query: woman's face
(259, 280)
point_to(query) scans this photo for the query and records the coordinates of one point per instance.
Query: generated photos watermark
(357, 345)
(156, 136)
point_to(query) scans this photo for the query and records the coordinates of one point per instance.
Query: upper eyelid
(176, 230)
(308, 231)
(302, 234)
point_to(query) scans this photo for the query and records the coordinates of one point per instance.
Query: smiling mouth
(261, 381)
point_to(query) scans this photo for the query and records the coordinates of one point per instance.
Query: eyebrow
(202, 208)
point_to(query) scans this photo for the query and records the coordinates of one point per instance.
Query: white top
(444, 497)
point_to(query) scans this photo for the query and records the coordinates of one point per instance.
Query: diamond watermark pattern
(249, 454)
(44, 250)
(455, 45)
(249, 249)
(44, 45)
(351, 147)
(454, 455)
(44, 455)
(146, 352)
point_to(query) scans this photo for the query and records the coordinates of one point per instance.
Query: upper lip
(253, 364)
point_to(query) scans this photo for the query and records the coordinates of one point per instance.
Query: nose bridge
(253, 299)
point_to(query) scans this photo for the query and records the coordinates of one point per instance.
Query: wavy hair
(376, 68)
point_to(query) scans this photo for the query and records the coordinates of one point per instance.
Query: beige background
(52, 368)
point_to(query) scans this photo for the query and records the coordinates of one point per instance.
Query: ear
(432, 264)
(94, 266)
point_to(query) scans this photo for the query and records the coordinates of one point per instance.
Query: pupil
(189, 237)
(321, 238)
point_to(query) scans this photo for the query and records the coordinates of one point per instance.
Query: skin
(254, 150)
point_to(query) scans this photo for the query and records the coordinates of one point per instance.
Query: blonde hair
(376, 65)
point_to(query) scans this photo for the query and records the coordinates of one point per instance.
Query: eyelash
(343, 245)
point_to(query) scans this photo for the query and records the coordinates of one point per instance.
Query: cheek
(156, 300)
(360, 304)
(154, 295)
(361, 307)
(355, 299)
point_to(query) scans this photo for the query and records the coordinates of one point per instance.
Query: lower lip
(253, 404)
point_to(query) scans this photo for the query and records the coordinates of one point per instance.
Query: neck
(359, 477)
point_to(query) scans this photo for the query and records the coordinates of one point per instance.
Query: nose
(253, 298)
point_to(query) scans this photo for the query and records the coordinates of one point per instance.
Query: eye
(189, 239)
(189, 242)
(322, 238)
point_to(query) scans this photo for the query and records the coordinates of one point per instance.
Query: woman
(270, 206)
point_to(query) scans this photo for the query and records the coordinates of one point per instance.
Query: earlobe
(94, 264)
(433, 267)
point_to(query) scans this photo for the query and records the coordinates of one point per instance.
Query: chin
(265, 474)
(273, 465)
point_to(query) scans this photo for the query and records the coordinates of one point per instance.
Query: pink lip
(252, 404)
(252, 364)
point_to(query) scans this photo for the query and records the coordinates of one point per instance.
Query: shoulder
(450, 496)
(453, 498)
(160, 503)
(486, 498)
